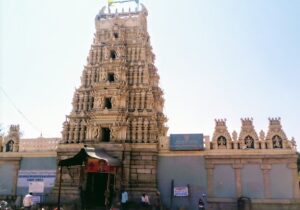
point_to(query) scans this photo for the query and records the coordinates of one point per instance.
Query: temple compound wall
(26, 160)
(218, 173)
(262, 168)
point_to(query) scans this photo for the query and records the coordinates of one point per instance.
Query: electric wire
(19, 111)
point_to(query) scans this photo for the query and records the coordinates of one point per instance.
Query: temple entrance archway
(99, 189)
(95, 189)
(98, 185)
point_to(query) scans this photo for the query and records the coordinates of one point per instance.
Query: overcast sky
(216, 59)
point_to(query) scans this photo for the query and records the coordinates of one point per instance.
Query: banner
(47, 177)
(99, 166)
(181, 191)
(185, 142)
(36, 187)
(93, 165)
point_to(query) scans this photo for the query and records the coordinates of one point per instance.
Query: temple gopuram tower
(117, 112)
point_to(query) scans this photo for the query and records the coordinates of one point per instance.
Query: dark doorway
(105, 134)
(107, 104)
(111, 77)
(113, 55)
(95, 189)
(98, 186)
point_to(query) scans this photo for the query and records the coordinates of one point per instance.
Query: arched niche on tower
(249, 142)
(9, 147)
(221, 138)
(113, 55)
(222, 142)
(277, 142)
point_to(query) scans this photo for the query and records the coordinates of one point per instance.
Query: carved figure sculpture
(9, 146)
(249, 142)
(277, 142)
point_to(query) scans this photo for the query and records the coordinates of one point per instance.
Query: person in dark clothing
(82, 197)
(201, 205)
(157, 202)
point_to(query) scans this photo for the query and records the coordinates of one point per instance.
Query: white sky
(216, 59)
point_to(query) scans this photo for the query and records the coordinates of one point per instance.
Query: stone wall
(7, 174)
(184, 169)
(36, 164)
(266, 177)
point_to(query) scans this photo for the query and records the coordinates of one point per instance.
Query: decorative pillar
(266, 178)
(238, 182)
(15, 178)
(71, 133)
(293, 168)
(139, 129)
(263, 144)
(270, 144)
(126, 166)
(210, 180)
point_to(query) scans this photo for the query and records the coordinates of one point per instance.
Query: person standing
(145, 200)
(124, 199)
(157, 201)
(27, 201)
(82, 198)
(201, 204)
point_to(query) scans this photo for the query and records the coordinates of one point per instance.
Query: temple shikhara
(118, 108)
(115, 139)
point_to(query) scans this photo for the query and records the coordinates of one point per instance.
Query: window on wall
(113, 55)
(107, 103)
(277, 141)
(92, 103)
(105, 134)
(249, 142)
(116, 35)
(111, 77)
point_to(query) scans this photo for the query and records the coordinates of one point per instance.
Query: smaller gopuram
(10, 143)
(25, 161)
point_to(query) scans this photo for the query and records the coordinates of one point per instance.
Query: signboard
(181, 191)
(92, 165)
(186, 142)
(99, 166)
(47, 177)
(36, 187)
(36, 199)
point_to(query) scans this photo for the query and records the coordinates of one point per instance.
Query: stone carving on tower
(119, 99)
(276, 138)
(119, 104)
(10, 143)
(221, 138)
(248, 138)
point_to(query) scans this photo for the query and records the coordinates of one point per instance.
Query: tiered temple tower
(119, 104)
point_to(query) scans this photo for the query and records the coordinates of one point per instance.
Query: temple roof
(86, 152)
